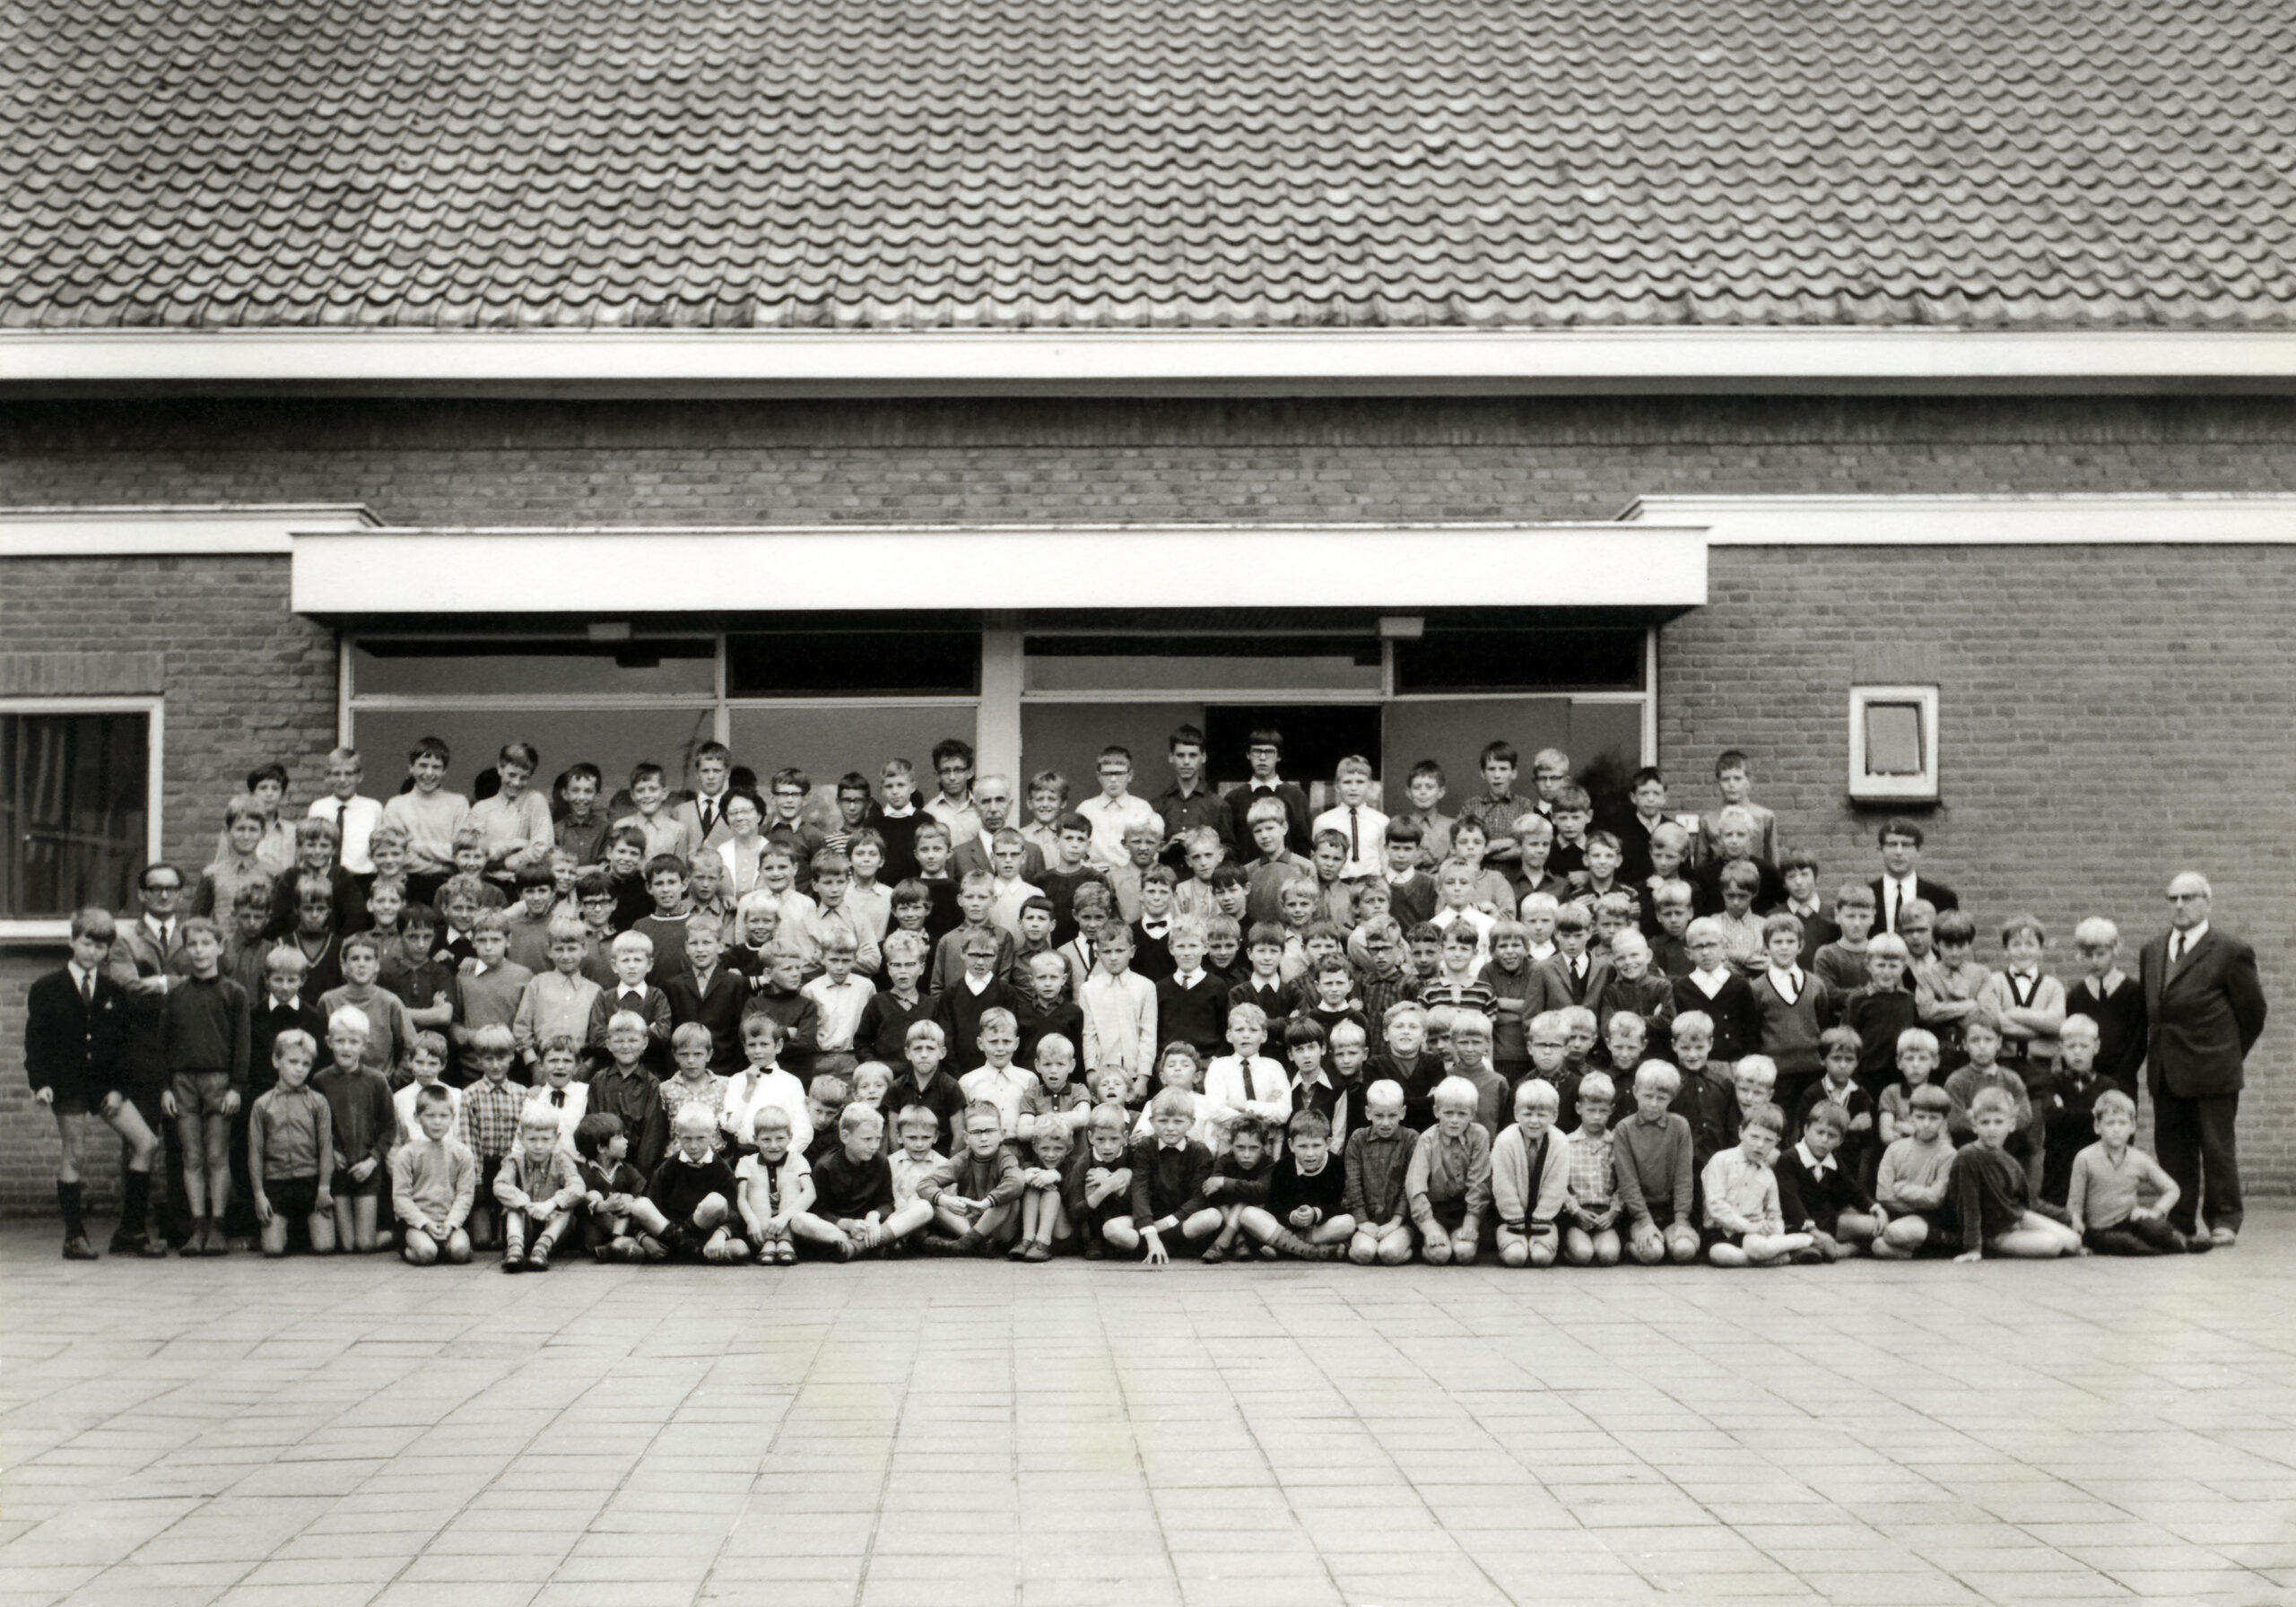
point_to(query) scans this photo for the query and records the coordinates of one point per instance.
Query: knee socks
(135, 1205)
(68, 1199)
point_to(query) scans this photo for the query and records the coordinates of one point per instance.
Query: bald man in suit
(2206, 1010)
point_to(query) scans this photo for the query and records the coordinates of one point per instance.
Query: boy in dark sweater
(1819, 1196)
(207, 1080)
(1716, 991)
(1238, 1179)
(1306, 1214)
(693, 1189)
(1046, 1011)
(1991, 1198)
(1881, 1012)
(1168, 1171)
(1191, 1004)
(853, 1189)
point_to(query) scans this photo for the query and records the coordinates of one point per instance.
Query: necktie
(2176, 950)
(1354, 847)
(558, 1097)
(1893, 906)
(88, 989)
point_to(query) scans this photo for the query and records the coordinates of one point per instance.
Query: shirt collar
(1811, 1162)
(1187, 979)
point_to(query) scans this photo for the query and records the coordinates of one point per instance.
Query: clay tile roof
(839, 164)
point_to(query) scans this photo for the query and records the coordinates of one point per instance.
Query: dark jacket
(2204, 1020)
(76, 1048)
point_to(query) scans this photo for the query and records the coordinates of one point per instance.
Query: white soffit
(169, 531)
(612, 572)
(1977, 521)
(1156, 361)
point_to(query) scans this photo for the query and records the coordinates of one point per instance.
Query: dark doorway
(1316, 737)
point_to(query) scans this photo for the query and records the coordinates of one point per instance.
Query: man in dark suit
(992, 795)
(2206, 1010)
(75, 1051)
(1897, 886)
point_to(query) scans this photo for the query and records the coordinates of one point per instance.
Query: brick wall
(245, 681)
(2108, 717)
(2088, 750)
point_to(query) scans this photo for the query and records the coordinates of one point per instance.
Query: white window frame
(153, 708)
(1920, 788)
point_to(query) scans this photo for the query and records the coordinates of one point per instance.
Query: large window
(823, 700)
(79, 807)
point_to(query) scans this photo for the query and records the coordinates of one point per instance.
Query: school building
(1903, 394)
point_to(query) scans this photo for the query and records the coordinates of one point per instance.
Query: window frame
(41, 929)
(1919, 788)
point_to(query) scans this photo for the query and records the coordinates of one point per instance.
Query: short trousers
(200, 1093)
(1451, 1215)
(76, 1098)
(347, 1187)
(1708, 1237)
(292, 1198)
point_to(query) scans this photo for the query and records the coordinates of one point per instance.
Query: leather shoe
(2224, 1239)
(78, 1248)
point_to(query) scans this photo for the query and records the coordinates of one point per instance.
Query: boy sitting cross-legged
(1744, 1224)
(1914, 1182)
(1993, 1202)
(434, 1178)
(974, 1192)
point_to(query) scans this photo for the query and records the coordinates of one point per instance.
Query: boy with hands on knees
(537, 1189)
(1530, 1178)
(434, 1179)
(1306, 1214)
(1655, 1154)
(776, 1187)
(1590, 1210)
(1447, 1181)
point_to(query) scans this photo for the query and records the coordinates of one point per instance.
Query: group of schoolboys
(686, 1027)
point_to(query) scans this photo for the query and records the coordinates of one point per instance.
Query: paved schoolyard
(943, 1435)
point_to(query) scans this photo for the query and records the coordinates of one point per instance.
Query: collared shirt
(1711, 983)
(961, 818)
(553, 1005)
(1897, 892)
(490, 1112)
(1366, 831)
(841, 1004)
(1110, 817)
(1592, 1178)
(83, 981)
(1810, 1164)
(1003, 1089)
(2181, 943)
(752, 1090)
(1788, 984)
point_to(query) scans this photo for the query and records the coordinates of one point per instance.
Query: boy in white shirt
(1353, 818)
(840, 997)
(1120, 1011)
(761, 1085)
(998, 1080)
(1246, 1082)
(1117, 809)
(355, 817)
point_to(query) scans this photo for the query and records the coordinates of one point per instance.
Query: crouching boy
(1530, 1178)
(1378, 1160)
(434, 1179)
(1449, 1181)
(1654, 1150)
(1306, 1214)
(1168, 1169)
(853, 1190)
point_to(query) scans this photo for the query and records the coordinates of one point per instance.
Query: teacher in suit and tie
(2206, 1010)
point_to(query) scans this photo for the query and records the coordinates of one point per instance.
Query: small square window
(1893, 744)
(77, 807)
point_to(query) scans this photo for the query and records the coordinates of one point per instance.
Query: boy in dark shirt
(1239, 1180)
(1991, 1198)
(207, 1067)
(693, 1189)
(1882, 1012)
(1046, 1011)
(1169, 1170)
(853, 1188)
(1820, 1195)
(1096, 1184)
(1191, 1005)
(1306, 1213)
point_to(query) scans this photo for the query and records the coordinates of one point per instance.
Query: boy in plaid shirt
(491, 1109)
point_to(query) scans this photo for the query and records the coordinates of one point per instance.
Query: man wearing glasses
(147, 957)
(2206, 1011)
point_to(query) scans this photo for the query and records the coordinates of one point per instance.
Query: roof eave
(752, 362)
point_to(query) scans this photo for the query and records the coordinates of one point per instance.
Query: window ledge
(54, 932)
